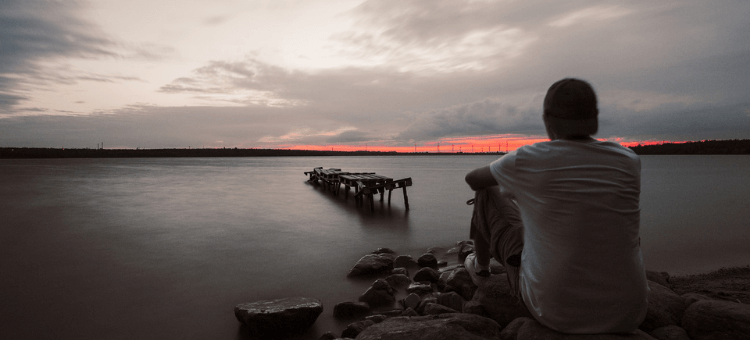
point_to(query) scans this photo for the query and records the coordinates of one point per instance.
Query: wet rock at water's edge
(280, 316)
(372, 265)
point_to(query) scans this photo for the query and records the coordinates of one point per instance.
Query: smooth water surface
(165, 248)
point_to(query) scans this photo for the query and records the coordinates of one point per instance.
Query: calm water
(164, 248)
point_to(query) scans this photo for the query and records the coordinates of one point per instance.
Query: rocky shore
(428, 298)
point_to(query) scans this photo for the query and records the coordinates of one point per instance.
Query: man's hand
(480, 178)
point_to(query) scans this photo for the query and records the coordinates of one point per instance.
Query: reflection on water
(164, 248)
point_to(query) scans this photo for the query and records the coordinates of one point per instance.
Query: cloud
(676, 121)
(434, 36)
(486, 117)
(421, 85)
(9, 100)
(423, 71)
(37, 41)
(350, 137)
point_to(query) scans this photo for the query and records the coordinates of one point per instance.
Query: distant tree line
(707, 147)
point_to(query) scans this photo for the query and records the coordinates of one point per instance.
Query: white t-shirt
(581, 267)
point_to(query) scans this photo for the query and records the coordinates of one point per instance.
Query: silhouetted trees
(708, 147)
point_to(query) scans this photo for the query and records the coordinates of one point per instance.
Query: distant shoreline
(711, 147)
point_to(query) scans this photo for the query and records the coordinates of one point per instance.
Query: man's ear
(550, 132)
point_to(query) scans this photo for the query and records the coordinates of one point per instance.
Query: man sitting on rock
(562, 216)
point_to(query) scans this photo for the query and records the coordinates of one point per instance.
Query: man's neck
(578, 138)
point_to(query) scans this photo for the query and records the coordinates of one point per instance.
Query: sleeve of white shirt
(502, 170)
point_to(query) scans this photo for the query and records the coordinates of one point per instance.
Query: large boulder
(379, 294)
(457, 326)
(281, 316)
(665, 308)
(715, 319)
(529, 329)
(372, 265)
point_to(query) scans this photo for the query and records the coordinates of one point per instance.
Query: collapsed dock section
(365, 184)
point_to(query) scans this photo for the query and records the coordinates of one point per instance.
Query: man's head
(570, 110)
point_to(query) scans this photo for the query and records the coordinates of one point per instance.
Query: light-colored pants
(497, 231)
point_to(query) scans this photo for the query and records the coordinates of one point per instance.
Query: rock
(379, 294)
(665, 308)
(372, 265)
(426, 301)
(328, 336)
(433, 327)
(510, 332)
(281, 316)
(377, 318)
(398, 280)
(436, 308)
(391, 312)
(716, 319)
(493, 299)
(405, 261)
(449, 269)
(419, 288)
(465, 250)
(427, 274)
(409, 312)
(354, 328)
(427, 260)
(383, 251)
(528, 328)
(670, 332)
(690, 298)
(460, 282)
(412, 301)
(661, 278)
(350, 310)
(400, 270)
(451, 300)
(727, 295)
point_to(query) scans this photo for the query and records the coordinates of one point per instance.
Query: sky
(365, 74)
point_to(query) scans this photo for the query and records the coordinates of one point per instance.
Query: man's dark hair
(571, 107)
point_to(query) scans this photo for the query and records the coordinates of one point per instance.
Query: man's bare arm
(480, 178)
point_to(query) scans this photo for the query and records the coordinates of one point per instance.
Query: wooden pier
(365, 184)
